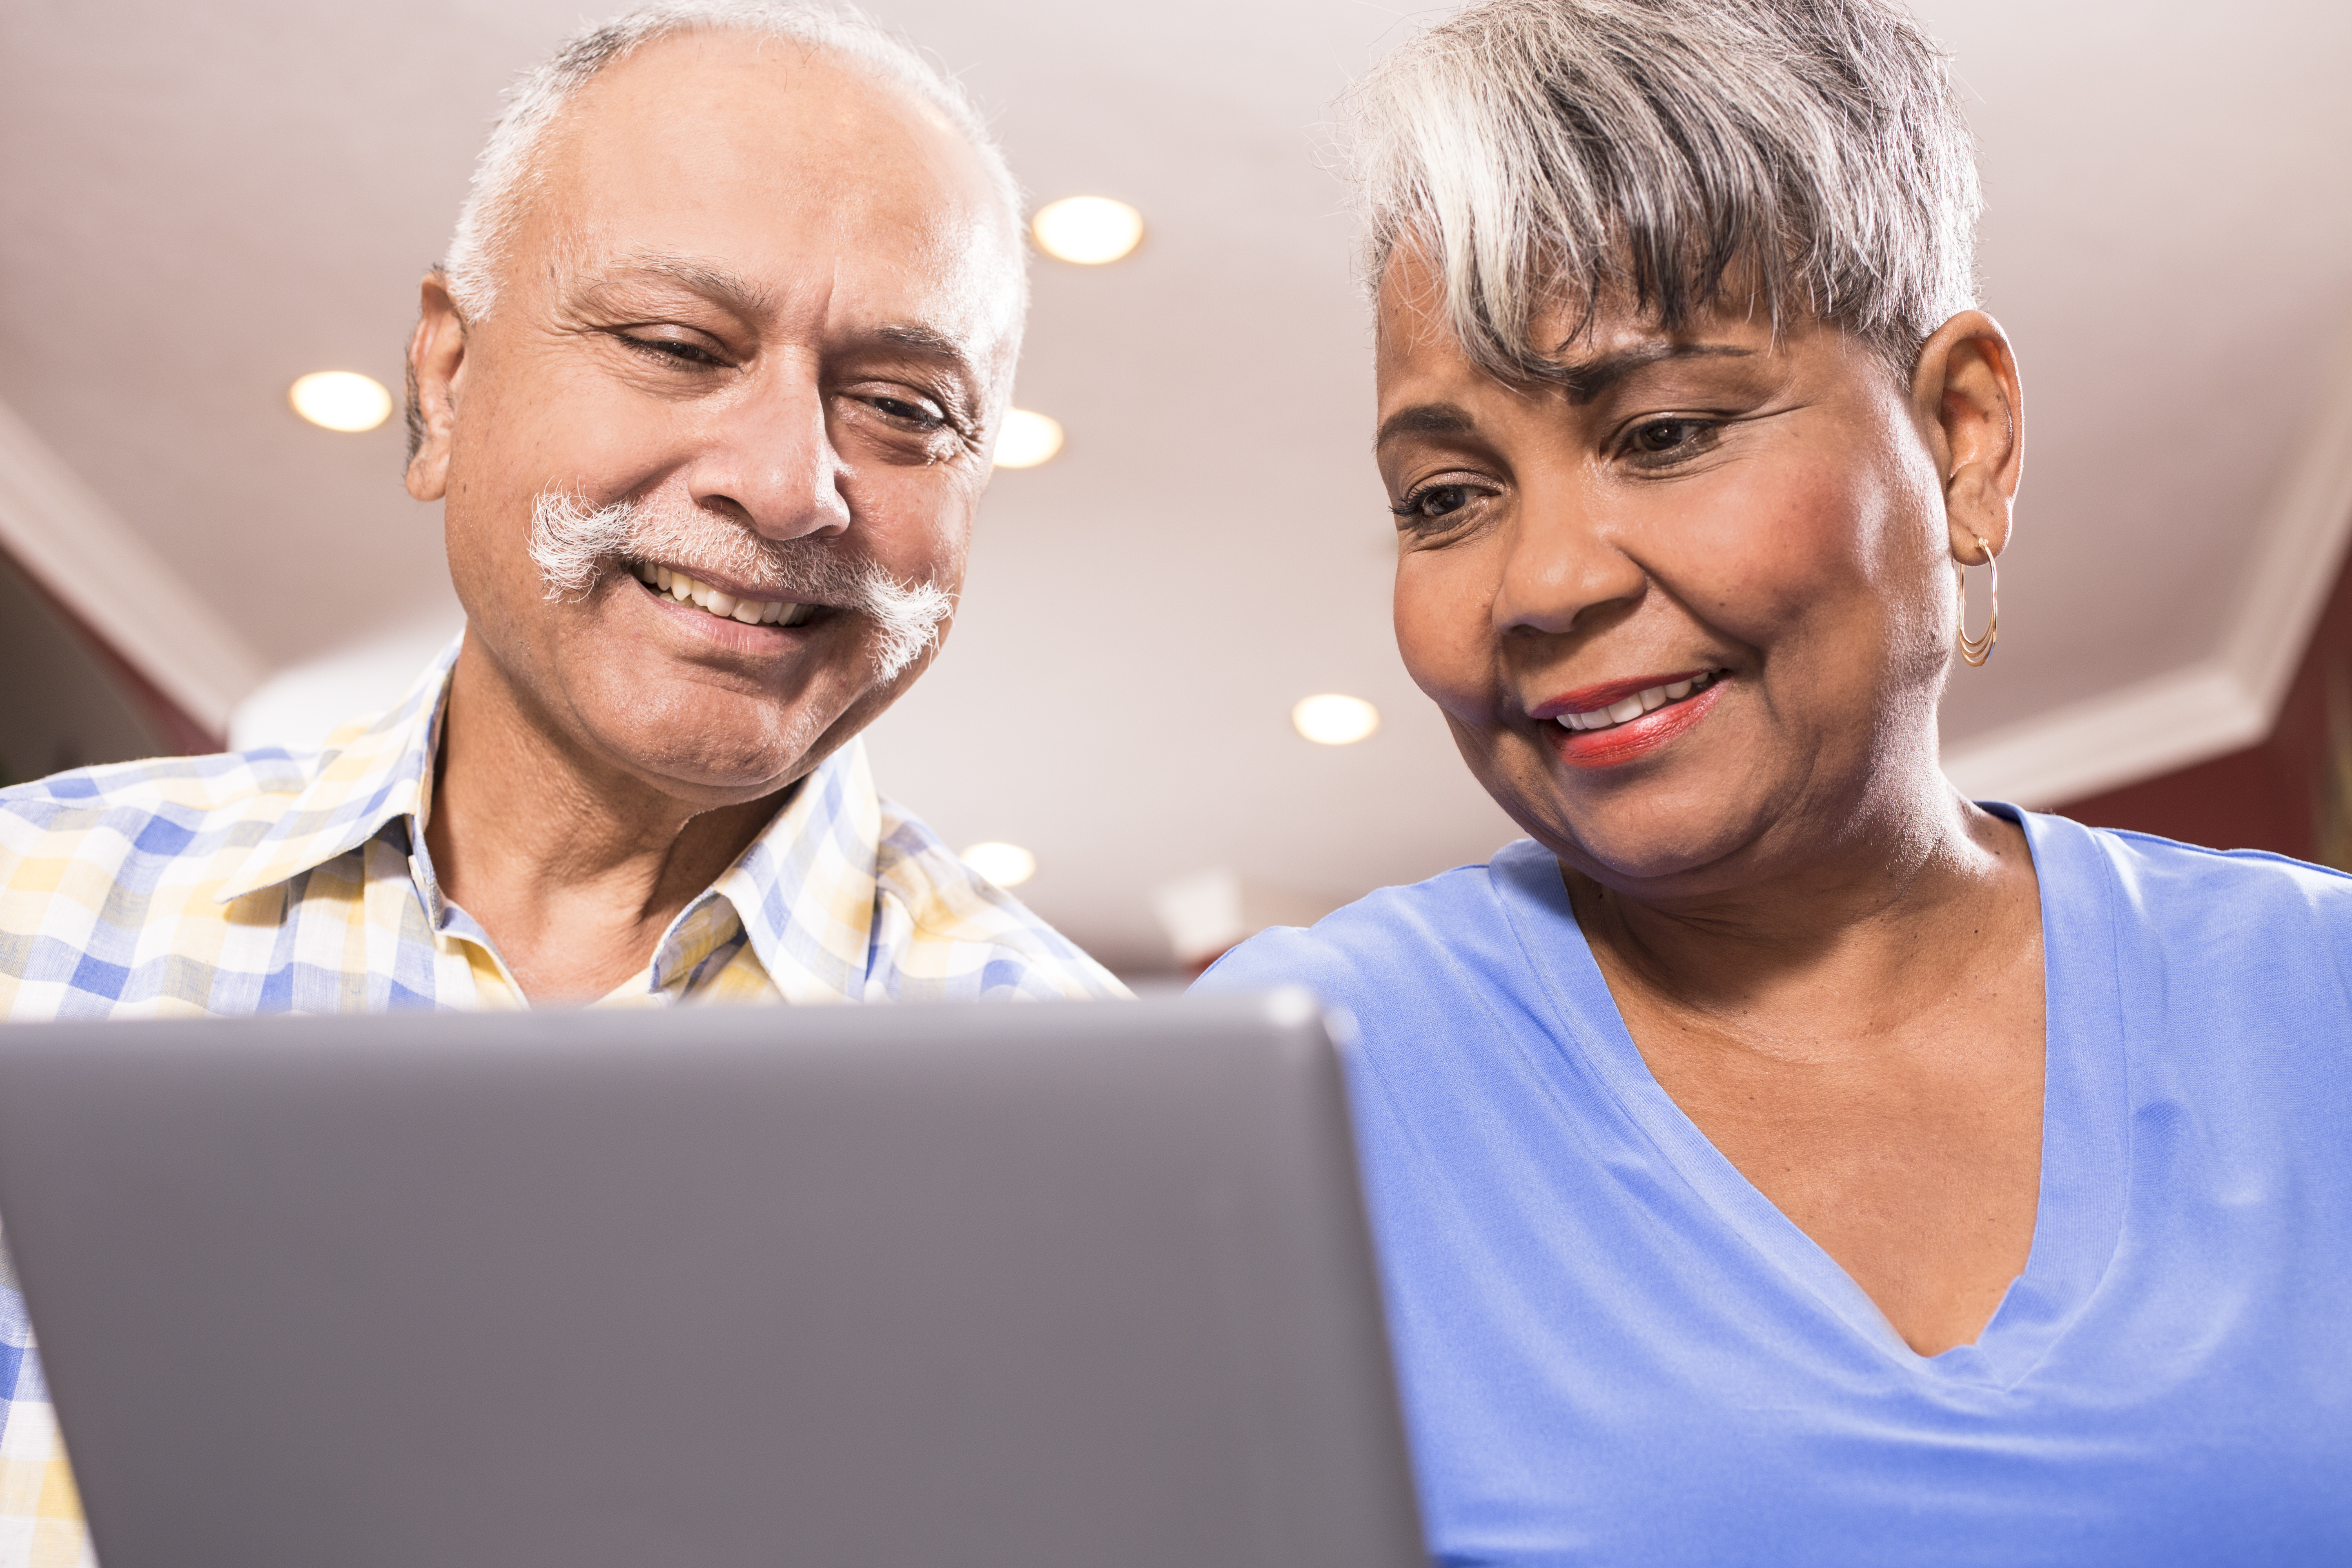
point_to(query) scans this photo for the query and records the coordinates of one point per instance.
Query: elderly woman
(1776, 1157)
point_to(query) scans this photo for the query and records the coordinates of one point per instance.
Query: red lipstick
(1593, 698)
(1635, 738)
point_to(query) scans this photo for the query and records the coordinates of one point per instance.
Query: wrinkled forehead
(802, 176)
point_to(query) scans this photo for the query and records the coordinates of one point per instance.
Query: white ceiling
(203, 202)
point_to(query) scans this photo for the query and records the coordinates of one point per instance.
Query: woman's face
(1688, 613)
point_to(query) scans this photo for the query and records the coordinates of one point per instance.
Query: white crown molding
(2137, 732)
(73, 544)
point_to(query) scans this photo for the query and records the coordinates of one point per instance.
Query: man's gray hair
(1806, 156)
(509, 164)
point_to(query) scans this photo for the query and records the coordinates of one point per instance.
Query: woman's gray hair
(1807, 157)
(509, 164)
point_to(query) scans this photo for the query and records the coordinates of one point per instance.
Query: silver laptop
(1075, 1284)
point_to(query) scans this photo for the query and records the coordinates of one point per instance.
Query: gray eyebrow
(707, 278)
(931, 343)
(739, 294)
(923, 339)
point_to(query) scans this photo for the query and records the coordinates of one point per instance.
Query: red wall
(2266, 796)
(174, 725)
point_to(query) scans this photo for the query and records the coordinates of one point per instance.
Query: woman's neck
(1865, 914)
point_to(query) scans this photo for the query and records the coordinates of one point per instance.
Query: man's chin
(708, 739)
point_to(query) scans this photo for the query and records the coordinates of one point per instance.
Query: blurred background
(203, 204)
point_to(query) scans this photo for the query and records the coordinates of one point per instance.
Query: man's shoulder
(109, 877)
(163, 806)
(953, 934)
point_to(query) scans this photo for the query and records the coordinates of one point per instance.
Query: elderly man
(708, 386)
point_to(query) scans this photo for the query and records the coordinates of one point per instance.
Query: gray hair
(1672, 155)
(576, 547)
(508, 166)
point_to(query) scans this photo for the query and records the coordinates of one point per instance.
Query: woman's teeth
(692, 590)
(1634, 707)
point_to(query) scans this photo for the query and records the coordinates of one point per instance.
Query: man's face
(770, 306)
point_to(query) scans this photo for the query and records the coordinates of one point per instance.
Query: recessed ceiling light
(1006, 865)
(1028, 440)
(1088, 230)
(342, 400)
(1331, 720)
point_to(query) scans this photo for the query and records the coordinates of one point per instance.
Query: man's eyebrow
(713, 282)
(744, 298)
(922, 339)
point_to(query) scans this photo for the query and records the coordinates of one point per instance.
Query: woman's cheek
(1443, 633)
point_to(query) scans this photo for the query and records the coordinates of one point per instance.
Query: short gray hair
(1672, 155)
(508, 166)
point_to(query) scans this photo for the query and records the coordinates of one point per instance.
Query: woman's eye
(1661, 437)
(1434, 501)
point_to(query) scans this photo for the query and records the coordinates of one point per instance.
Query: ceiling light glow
(1028, 440)
(1088, 230)
(341, 400)
(1331, 720)
(1006, 865)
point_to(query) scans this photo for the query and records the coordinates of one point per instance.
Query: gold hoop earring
(1975, 650)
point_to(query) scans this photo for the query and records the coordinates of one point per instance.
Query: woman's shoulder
(1453, 930)
(2163, 879)
(2181, 919)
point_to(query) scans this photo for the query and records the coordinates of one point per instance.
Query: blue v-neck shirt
(1613, 1349)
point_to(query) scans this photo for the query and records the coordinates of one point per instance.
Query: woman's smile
(1609, 725)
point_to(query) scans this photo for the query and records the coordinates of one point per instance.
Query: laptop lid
(1072, 1284)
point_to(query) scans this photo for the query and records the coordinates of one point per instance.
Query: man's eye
(1434, 501)
(672, 349)
(914, 413)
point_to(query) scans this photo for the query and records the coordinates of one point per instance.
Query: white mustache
(574, 547)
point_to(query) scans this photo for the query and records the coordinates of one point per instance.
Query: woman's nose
(1560, 567)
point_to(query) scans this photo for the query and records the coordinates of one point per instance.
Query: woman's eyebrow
(1587, 379)
(1424, 419)
(1582, 381)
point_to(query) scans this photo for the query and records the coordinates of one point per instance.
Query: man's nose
(770, 459)
(1562, 568)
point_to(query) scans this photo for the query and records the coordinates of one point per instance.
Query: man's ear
(436, 364)
(1973, 409)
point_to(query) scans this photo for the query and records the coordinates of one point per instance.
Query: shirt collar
(804, 889)
(368, 774)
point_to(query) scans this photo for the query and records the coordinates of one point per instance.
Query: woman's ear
(1973, 411)
(436, 363)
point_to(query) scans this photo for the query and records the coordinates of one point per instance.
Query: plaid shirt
(269, 882)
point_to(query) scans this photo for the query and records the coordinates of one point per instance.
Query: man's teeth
(1634, 707)
(688, 590)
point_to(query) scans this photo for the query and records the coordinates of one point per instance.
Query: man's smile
(718, 601)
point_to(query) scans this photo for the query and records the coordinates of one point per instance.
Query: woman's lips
(1635, 738)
